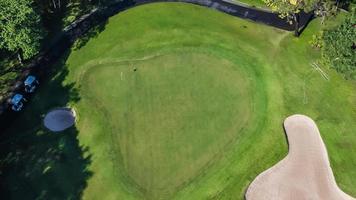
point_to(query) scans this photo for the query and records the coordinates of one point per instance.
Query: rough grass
(202, 114)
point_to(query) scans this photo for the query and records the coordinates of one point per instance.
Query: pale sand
(305, 173)
(59, 119)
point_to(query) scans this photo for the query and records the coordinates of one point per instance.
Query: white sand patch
(59, 119)
(305, 173)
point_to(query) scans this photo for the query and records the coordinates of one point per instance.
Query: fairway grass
(169, 118)
(176, 101)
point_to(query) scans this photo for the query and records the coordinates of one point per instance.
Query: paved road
(242, 11)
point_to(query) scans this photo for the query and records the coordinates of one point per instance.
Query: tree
(20, 30)
(325, 9)
(290, 9)
(339, 47)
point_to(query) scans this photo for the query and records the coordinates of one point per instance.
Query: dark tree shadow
(91, 33)
(36, 163)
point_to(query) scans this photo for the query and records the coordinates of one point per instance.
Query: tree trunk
(54, 4)
(19, 56)
(337, 4)
(323, 19)
(296, 24)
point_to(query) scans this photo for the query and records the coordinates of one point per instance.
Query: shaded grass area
(36, 163)
(145, 144)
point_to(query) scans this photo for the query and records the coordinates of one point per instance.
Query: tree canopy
(20, 30)
(339, 47)
(289, 9)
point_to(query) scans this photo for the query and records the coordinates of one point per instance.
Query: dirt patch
(59, 119)
(305, 173)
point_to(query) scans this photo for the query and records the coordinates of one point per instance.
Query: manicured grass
(170, 117)
(199, 118)
(252, 3)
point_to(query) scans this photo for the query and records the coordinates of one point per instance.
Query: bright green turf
(252, 3)
(202, 114)
(174, 115)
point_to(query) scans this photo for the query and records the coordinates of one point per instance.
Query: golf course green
(177, 101)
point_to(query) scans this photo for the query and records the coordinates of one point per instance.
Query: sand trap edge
(281, 163)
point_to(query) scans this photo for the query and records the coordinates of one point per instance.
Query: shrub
(339, 47)
(317, 40)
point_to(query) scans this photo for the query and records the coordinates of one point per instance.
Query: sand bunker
(59, 119)
(305, 173)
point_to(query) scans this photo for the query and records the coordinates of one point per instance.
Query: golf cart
(30, 84)
(17, 102)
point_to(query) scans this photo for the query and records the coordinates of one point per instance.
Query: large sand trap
(305, 173)
(59, 119)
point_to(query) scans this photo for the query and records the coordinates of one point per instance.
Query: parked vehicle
(30, 84)
(17, 102)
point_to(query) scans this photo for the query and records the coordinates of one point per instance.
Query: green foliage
(286, 8)
(5, 80)
(339, 47)
(20, 27)
(317, 40)
(279, 86)
(77, 8)
(9, 70)
(289, 9)
(325, 9)
(57, 14)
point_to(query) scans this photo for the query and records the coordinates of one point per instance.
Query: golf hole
(59, 119)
